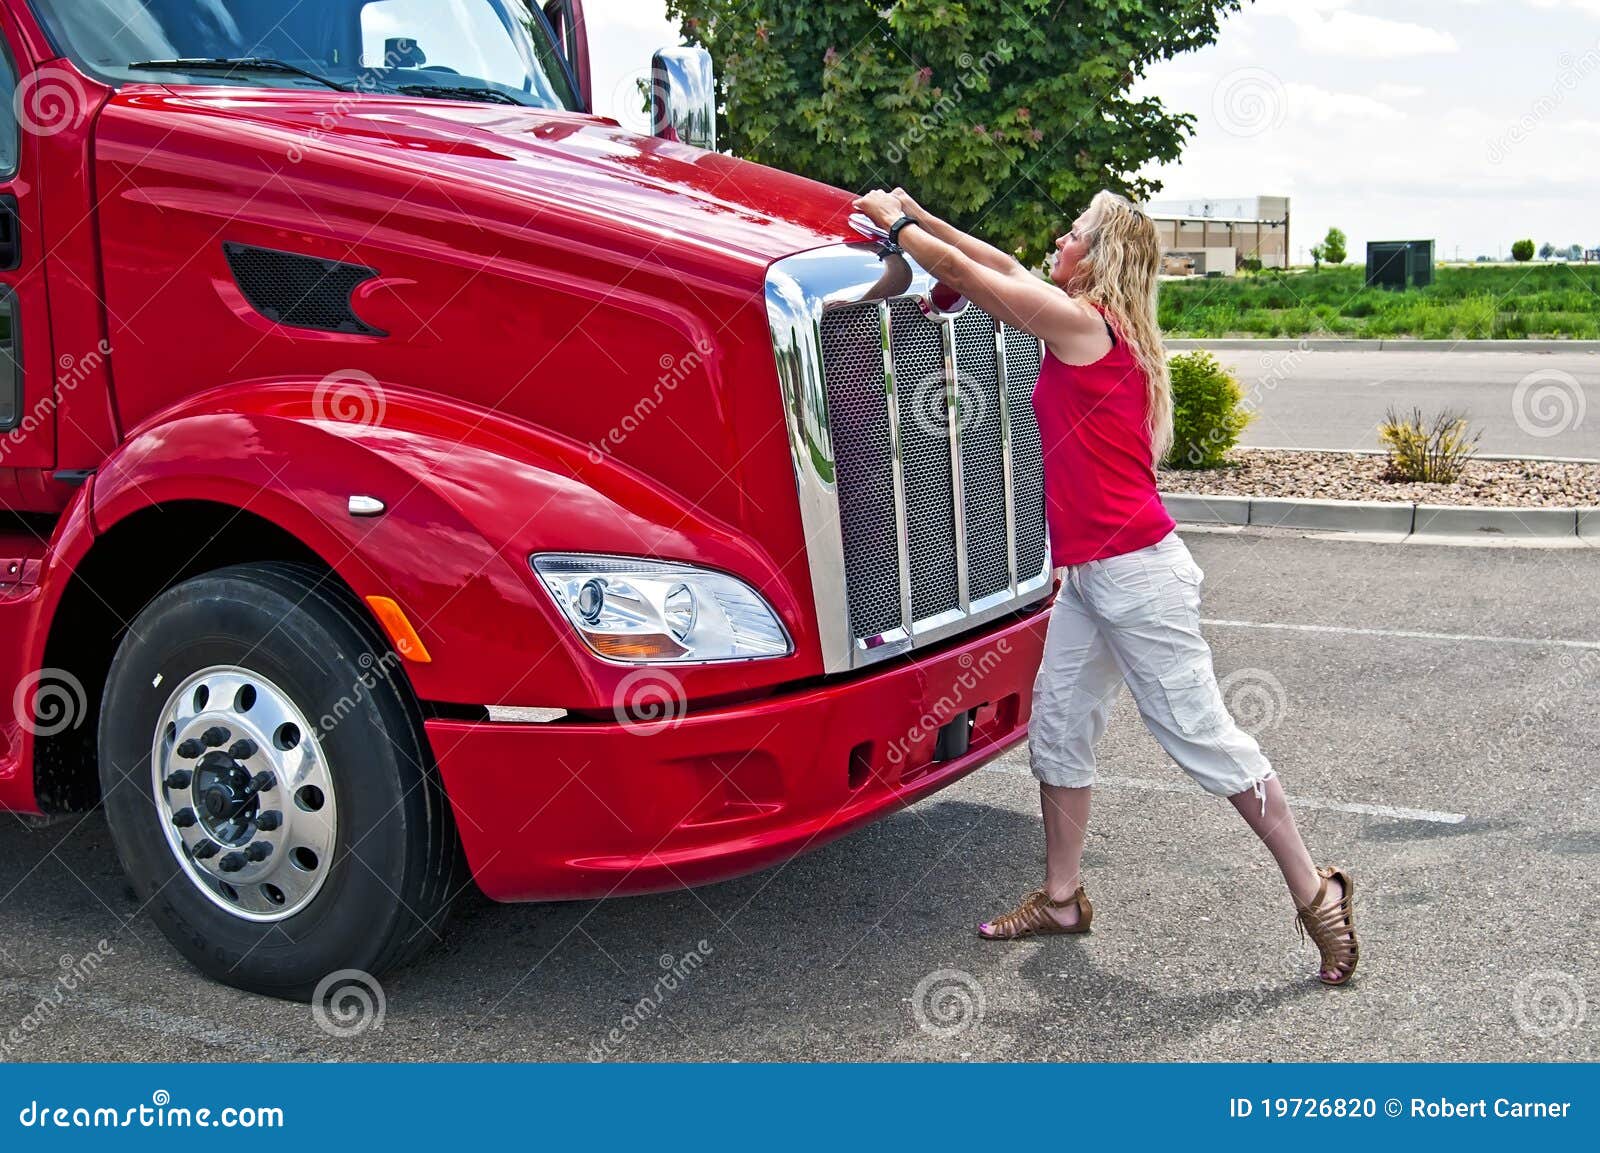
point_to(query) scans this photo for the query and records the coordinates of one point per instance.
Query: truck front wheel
(268, 784)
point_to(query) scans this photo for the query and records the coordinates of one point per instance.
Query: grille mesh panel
(858, 420)
(918, 348)
(300, 291)
(861, 436)
(983, 477)
(1027, 462)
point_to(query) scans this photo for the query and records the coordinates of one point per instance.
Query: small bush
(1208, 412)
(1429, 452)
(1522, 250)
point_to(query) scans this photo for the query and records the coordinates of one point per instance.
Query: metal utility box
(1399, 264)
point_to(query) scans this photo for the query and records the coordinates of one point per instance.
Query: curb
(1325, 344)
(1391, 518)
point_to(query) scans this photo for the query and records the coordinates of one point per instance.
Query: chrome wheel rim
(244, 794)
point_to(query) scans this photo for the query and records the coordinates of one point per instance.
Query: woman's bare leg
(1274, 824)
(1066, 817)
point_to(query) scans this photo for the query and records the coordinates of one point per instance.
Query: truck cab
(412, 480)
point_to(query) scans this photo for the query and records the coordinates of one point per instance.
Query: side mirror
(684, 97)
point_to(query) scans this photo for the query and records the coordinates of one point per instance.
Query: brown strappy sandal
(1031, 918)
(1332, 928)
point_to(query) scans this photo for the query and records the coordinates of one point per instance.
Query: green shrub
(1522, 250)
(1208, 412)
(1430, 452)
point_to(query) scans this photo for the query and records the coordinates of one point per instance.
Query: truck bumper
(581, 810)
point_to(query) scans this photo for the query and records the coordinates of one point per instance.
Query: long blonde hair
(1119, 273)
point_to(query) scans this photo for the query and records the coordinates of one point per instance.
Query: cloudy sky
(1473, 122)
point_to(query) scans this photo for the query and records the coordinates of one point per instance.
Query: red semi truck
(412, 480)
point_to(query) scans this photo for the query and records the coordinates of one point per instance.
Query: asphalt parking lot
(1453, 772)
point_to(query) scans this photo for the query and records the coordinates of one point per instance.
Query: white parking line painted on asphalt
(1403, 634)
(1186, 787)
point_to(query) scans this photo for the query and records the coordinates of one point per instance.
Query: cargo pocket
(1194, 699)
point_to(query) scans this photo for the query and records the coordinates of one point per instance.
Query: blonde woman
(1128, 607)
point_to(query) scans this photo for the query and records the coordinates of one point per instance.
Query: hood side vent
(300, 291)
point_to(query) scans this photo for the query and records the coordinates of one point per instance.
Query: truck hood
(581, 163)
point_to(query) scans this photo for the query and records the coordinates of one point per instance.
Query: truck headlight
(647, 611)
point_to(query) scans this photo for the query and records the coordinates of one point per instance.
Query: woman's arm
(985, 254)
(1072, 329)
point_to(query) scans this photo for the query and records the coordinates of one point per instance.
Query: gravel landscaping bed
(1354, 476)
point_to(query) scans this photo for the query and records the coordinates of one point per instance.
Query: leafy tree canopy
(1004, 116)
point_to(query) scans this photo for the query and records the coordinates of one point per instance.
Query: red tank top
(1099, 486)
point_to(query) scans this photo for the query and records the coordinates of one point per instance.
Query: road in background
(1336, 399)
(1454, 775)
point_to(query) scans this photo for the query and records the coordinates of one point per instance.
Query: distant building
(1219, 235)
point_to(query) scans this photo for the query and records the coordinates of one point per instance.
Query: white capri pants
(1135, 618)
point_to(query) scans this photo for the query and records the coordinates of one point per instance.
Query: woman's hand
(882, 208)
(909, 206)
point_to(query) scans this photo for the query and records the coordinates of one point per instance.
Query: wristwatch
(894, 231)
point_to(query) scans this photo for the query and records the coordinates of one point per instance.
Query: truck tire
(269, 786)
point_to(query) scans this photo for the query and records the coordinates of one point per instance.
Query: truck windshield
(498, 51)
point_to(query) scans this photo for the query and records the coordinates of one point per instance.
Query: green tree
(1522, 250)
(1333, 247)
(1318, 253)
(1003, 115)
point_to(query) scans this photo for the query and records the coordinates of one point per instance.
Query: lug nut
(263, 782)
(215, 736)
(232, 863)
(205, 849)
(183, 818)
(191, 748)
(179, 779)
(258, 851)
(243, 749)
(269, 820)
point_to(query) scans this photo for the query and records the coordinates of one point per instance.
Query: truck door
(30, 108)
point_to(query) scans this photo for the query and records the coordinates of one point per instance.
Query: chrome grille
(931, 427)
